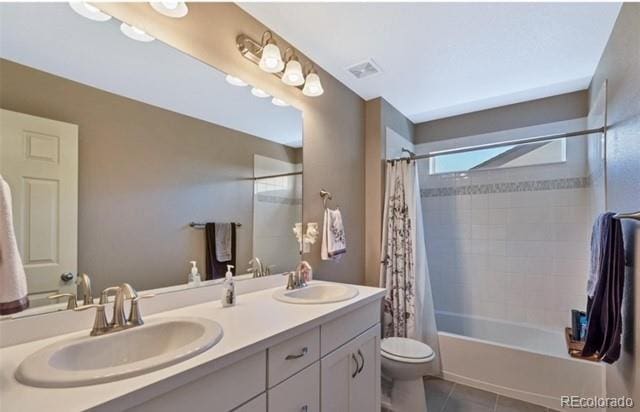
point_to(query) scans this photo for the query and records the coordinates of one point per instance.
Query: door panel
(39, 161)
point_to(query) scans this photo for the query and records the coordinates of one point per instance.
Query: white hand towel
(223, 242)
(13, 281)
(334, 243)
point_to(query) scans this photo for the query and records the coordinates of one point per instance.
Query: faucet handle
(135, 317)
(100, 324)
(72, 302)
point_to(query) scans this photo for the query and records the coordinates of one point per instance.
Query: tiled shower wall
(510, 244)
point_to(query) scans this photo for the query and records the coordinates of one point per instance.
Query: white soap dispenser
(194, 276)
(228, 289)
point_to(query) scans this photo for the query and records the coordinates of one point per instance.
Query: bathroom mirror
(128, 159)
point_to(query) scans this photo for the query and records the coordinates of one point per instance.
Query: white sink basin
(317, 293)
(118, 355)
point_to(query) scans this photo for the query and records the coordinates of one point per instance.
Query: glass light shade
(175, 9)
(135, 33)
(279, 102)
(312, 86)
(293, 74)
(259, 93)
(235, 81)
(271, 60)
(87, 10)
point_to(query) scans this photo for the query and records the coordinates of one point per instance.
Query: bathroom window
(528, 154)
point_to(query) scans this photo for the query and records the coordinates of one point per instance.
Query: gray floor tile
(463, 405)
(514, 405)
(437, 391)
(473, 395)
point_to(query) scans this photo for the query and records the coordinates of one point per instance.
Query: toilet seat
(406, 350)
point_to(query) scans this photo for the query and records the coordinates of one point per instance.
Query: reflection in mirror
(127, 160)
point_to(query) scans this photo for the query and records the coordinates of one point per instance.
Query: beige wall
(144, 174)
(333, 123)
(620, 65)
(379, 115)
(531, 113)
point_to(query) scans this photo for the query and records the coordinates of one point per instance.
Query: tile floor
(444, 396)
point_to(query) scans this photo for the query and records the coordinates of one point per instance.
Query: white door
(350, 375)
(39, 161)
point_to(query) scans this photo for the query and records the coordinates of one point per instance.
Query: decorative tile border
(526, 186)
(278, 199)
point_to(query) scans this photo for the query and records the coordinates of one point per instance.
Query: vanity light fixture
(259, 93)
(235, 81)
(89, 11)
(135, 33)
(266, 54)
(312, 86)
(175, 9)
(279, 102)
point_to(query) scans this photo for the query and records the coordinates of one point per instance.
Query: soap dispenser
(228, 289)
(194, 276)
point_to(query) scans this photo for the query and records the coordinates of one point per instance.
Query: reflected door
(39, 161)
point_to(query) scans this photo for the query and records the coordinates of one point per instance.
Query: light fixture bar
(251, 50)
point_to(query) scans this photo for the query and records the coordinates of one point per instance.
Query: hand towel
(223, 242)
(597, 247)
(216, 269)
(13, 281)
(604, 309)
(334, 243)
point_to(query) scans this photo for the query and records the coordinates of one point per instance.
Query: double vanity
(311, 349)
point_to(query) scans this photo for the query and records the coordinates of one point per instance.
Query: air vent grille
(365, 69)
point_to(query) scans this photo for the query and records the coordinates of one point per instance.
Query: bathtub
(514, 360)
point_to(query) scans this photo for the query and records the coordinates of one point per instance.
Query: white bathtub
(513, 360)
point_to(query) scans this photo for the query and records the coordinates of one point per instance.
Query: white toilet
(406, 361)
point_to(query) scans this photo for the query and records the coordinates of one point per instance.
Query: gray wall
(144, 174)
(620, 65)
(551, 109)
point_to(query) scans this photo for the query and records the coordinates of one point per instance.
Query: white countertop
(255, 323)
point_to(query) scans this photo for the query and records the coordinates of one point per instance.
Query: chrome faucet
(119, 320)
(256, 268)
(84, 284)
(296, 280)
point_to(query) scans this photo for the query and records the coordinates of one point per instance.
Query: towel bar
(632, 215)
(196, 225)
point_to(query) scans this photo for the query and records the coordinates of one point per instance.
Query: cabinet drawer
(258, 404)
(299, 393)
(339, 331)
(293, 355)
(220, 391)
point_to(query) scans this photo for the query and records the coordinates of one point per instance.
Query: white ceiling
(444, 59)
(54, 39)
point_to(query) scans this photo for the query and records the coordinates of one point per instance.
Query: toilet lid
(406, 348)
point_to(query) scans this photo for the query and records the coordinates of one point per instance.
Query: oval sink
(317, 293)
(118, 355)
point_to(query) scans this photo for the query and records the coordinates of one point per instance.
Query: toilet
(405, 361)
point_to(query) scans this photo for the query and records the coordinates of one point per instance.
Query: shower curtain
(408, 309)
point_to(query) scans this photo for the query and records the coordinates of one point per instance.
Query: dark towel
(605, 308)
(215, 269)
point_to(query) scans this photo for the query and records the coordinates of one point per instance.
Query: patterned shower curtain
(408, 309)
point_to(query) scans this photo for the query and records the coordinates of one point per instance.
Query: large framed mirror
(127, 160)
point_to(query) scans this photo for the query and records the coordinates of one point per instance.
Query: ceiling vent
(365, 69)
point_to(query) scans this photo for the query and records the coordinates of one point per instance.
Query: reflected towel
(13, 281)
(216, 269)
(223, 241)
(334, 243)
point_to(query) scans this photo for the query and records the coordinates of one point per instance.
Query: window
(479, 158)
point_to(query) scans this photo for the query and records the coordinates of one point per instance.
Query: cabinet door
(299, 393)
(350, 375)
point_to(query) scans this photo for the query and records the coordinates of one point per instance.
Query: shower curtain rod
(502, 144)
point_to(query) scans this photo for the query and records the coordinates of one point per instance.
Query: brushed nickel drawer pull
(353, 375)
(299, 355)
(361, 358)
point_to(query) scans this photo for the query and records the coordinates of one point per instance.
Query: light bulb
(89, 11)
(293, 74)
(235, 81)
(135, 33)
(279, 102)
(271, 60)
(312, 86)
(259, 93)
(175, 9)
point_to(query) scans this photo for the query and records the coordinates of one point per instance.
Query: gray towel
(223, 242)
(597, 247)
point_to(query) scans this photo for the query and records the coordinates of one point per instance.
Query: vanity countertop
(255, 323)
